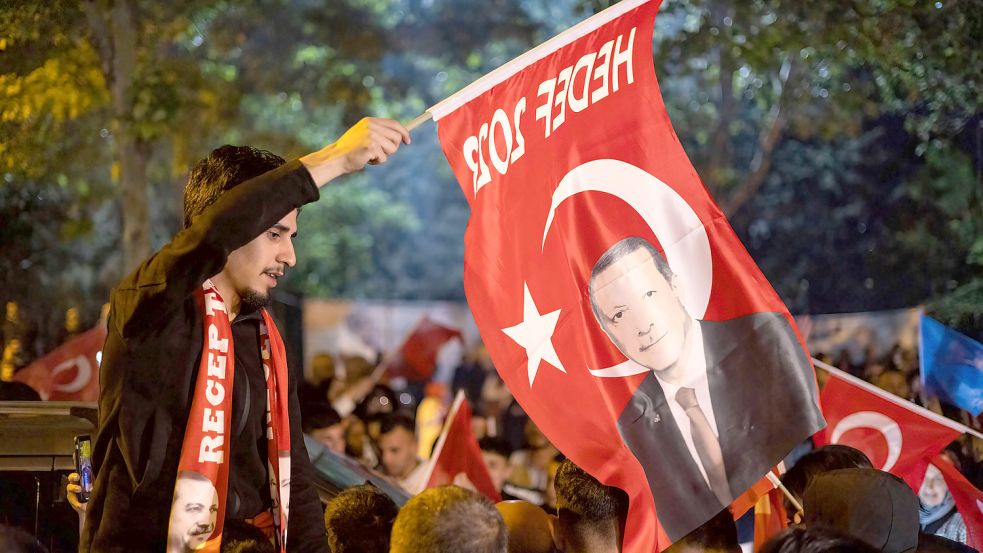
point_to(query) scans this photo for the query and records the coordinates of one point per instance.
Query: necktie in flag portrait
(604, 279)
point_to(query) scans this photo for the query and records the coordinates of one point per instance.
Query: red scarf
(198, 509)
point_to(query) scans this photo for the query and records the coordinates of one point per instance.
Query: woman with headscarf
(937, 512)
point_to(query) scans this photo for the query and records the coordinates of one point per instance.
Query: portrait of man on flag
(696, 423)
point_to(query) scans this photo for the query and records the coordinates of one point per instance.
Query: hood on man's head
(869, 504)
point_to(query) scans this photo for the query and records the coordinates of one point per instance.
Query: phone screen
(83, 465)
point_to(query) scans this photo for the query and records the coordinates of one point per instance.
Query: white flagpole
(775, 481)
(896, 400)
(418, 120)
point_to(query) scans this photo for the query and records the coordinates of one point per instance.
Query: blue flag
(952, 366)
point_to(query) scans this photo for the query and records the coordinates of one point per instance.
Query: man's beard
(250, 300)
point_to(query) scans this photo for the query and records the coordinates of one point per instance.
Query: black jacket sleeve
(305, 528)
(200, 251)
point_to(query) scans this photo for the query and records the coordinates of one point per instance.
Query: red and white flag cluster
(899, 437)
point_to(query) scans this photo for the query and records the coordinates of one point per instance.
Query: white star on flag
(535, 335)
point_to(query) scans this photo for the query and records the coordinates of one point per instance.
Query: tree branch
(720, 147)
(767, 141)
(102, 37)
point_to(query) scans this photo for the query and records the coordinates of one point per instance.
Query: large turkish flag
(614, 298)
(896, 434)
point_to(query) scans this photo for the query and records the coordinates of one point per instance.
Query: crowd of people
(549, 504)
(847, 506)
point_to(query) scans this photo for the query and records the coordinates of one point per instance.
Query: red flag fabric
(616, 302)
(417, 357)
(769, 518)
(896, 434)
(969, 500)
(457, 458)
(751, 497)
(71, 371)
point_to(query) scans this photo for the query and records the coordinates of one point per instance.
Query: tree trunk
(133, 155)
(115, 34)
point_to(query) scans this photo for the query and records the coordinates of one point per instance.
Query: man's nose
(644, 328)
(287, 254)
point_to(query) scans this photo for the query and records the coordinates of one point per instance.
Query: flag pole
(418, 120)
(788, 495)
(451, 413)
(843, 375)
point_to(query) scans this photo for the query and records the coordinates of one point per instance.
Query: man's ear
(674, 283)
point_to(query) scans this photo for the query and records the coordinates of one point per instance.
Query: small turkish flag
(417, 357)
(71, 371)
(896, 434)
(457, 458)
(969, 500)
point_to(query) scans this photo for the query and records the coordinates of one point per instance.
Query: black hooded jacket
(149, 369)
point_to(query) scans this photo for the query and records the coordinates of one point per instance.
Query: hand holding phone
(83, 466)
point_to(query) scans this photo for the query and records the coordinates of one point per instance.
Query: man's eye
(274, 234)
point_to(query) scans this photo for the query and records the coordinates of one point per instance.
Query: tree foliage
(840, 137)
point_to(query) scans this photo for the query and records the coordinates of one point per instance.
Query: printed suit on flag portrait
(618, 305)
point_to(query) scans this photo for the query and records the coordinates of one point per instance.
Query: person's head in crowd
(549, 496)
(535, 439)
(495, 452)
(449, 519)
(717, 535)
(816, 462)
(479, 422)
(398, 445)
(356, 438)
(242, 537)
(495, 395)
(893, 381)
(380, 401)
(18, 391)
(935, 503)
(325, 425)
(194, 512)
(357, 367)
(814, 540)
(479, 355)
(528, 526)
(872, 505)
(590, 515)
(322, 367)
(359, 520)
(15, 540)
